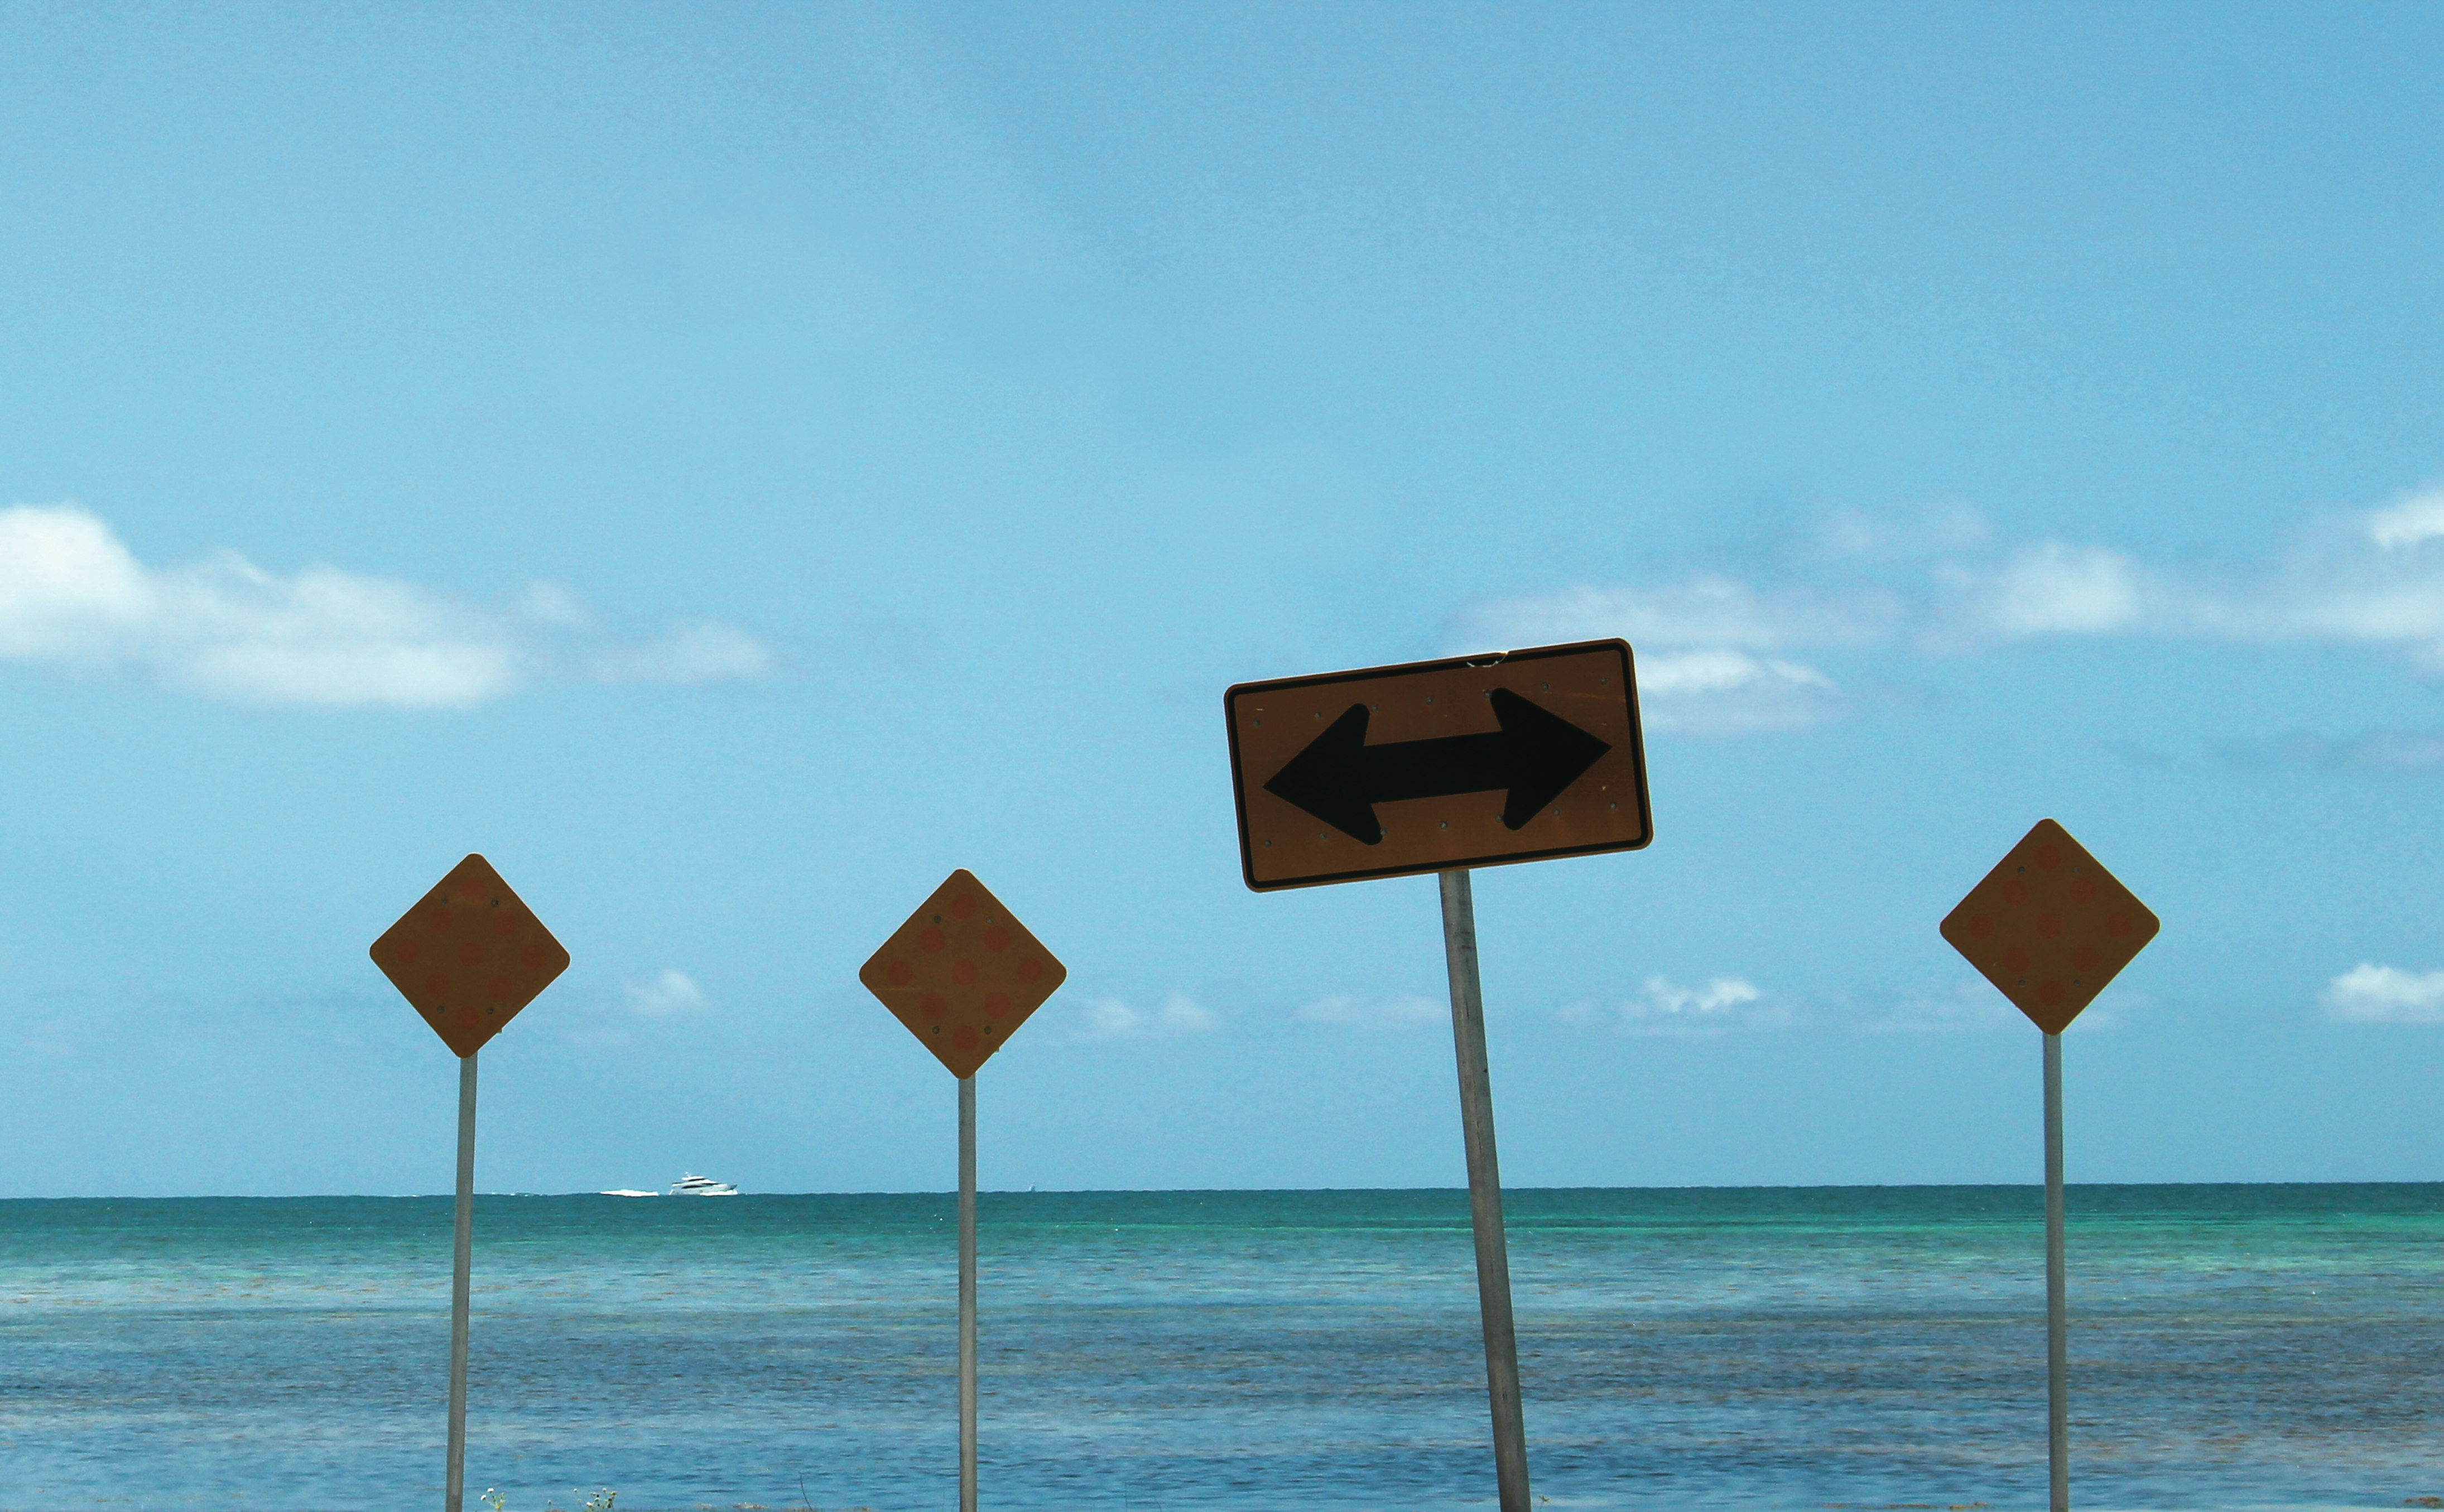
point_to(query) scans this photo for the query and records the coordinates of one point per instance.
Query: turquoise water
(2231, 1347)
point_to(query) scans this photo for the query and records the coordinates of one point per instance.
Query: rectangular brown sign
(1394, 771)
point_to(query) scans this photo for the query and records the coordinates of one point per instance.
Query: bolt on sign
(2049, 927)
(469, 955)
(962, 974)
(1435, 765)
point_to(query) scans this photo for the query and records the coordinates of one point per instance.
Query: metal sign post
(2057, 1300)
(962, 974)
(2049, 927)
(1439, 767)
(1485, 1193)
(468, 956)
(462, 1255)
(967, 1294)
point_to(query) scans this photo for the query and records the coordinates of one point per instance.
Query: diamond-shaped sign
(470, 955)
(2049, 927)
(962, 973)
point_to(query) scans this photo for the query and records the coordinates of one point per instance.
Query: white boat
(693, 1185)
(629, 1191)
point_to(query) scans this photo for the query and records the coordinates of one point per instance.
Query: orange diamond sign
(2049, 927)
(962, 973)
(470, 955)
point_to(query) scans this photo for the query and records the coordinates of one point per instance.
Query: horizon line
(1233, 1191)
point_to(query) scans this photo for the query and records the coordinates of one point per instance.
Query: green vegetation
(599, 1501)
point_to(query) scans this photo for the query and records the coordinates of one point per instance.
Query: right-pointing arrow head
(1546, 755)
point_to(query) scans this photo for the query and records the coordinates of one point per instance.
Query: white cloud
(1375, 1013)
(1706, 648)
(69, 590)
(2054, 589)
(1730, 692)
(556, 604)
(670, 993)
(2375, 580)
(72, 595)
(1667, 1008)
(1720, 656)
(1111, 1019)
(2383, 585)
(1972, 1004)
(2384, 994)
(700, 652)
(2416, 517)
(1709, 611)
(1720, 995)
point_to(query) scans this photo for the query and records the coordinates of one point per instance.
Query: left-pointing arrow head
(1328, 779)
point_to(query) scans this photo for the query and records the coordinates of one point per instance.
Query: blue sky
(732, 466)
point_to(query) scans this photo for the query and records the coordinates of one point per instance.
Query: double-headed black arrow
(1340, 778)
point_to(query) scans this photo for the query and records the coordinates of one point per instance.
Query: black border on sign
(1577, 648)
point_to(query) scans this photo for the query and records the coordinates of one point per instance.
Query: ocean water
(2259, 1346)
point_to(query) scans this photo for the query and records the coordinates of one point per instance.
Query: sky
(731, 466)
